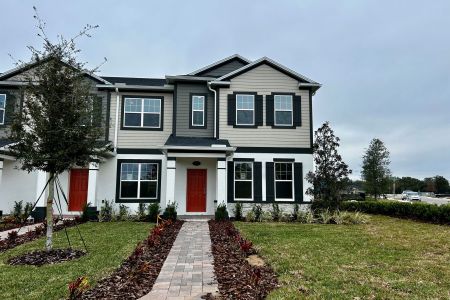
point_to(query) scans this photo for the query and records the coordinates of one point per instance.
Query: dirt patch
(40, 258)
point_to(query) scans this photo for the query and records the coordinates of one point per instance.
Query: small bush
(285, 217)
(153, 211)
(86, 214)
(250, 216)
(276, 212)
(170, 213)
(257, 210)
(306, 217)
(266, 216)
(295, 212)
(221, 212)
(27, 211)
(18, 211)
(325, 216)
(141, 214)
(123, 213)
(238, 211)
(12, 236)
(106, 211)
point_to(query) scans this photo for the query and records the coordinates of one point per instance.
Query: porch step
(196, 218)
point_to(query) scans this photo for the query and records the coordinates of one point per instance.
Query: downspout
(215, 108)
(116, 130)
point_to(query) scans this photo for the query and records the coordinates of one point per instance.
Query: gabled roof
(136, 80)
(220, 63)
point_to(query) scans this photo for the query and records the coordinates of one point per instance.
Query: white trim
(283, 180)
(142, 112)
(243, 109)
(198, 110)
(243, 180)
(4, 110)
(275, 110)
(139, 180)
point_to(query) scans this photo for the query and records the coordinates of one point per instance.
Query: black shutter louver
(298, 182)
(230, 181)
(257, 185)
(269, 110)
(270, 196)
(9, 108)
(231, 109)
(297, 110)
(259, 110)
(97, 111)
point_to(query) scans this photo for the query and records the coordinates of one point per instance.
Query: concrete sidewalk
(23, 230)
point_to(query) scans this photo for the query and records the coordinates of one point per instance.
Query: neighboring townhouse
(233, 131)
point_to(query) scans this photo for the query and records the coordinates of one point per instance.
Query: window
(284, 188)
(283, 110)
(243, 181)
(245, 109)
(2, 108)
(198, 110)
(142, 112)
(139, 180)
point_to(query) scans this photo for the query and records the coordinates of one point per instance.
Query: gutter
(116, 129)
(215, 108)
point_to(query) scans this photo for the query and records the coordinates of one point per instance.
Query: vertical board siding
(183, 120)
(140, 138)
(265, 80)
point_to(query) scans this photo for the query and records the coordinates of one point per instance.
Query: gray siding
(224, 69)
(264, 80)
(183, 110)
(13, 98)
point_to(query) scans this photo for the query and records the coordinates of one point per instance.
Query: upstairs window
(284, 188)
(243, 181)
(198, 111)
(2, 108)
(142, 113)
(283, 110)
(139, 181)
(245, 109)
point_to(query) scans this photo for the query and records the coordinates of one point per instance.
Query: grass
(387, 259)
(108, 244)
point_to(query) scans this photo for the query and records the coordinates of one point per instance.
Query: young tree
(375, 169)
(58, 127)
(330, 175)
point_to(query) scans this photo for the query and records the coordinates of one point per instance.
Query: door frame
(205, 170)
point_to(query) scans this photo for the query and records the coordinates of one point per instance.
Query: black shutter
(298, 182)
(269, 110)
(97, 111)
(257, 181)
(9, 108)
(231, 109)
(230, 181)
(297, 110)
(259, 110)
(270, 196)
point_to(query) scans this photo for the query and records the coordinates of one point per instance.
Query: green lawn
(387, 259)
(108, 245)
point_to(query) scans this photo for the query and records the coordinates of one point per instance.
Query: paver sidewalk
(188, 271)
(23, 230)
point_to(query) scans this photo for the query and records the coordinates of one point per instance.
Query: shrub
(27, 211)
(153, 211)
(77, 287)
(257, 210)
(417, 211)
(325, 216)
(141, 215)
(266, 216)
(18, 211)
(250, 216)
(285, 217)
(237, 211)
(276, 212)
(12, 236)
(106, 211)
(347, 218)
(306, 217)
(86, 214)
(221, 212)
(170, 213)
(295, 212)
(123, 213)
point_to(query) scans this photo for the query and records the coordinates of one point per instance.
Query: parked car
(410, 196)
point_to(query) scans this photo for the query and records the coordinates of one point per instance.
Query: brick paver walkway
(188, 271)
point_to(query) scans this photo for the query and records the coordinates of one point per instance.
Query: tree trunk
(51, 193)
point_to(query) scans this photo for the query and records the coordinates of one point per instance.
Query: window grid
(138, 178)
(283, 172)
(239, 170)
(146, 106)
(245, 103)
(198, 105)
(2, 108)
(283, 103)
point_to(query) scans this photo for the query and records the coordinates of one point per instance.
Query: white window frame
(243, 109)
(252, 180)
(282, 180)
(275, 110)
(201, 110)
(139, 180)
(141, 112)
(4, 110)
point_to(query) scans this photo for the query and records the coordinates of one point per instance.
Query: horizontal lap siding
(140, 138)
(224, 69)
(264, 80)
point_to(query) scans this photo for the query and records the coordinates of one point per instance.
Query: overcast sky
(384, 65)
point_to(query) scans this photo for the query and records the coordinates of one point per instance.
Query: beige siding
(139, 138)
(264, 80)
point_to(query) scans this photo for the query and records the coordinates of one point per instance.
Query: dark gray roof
(194, 141)
(136, 80)
(5, 142)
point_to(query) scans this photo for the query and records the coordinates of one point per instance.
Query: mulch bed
(40, 231)
(137, 274)
(236, 277)
(39, 258)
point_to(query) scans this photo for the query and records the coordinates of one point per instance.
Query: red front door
(78, 189)
(196, 190)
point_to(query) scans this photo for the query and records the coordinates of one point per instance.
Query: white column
(92, 184)
(41, 180)
(170, 181)
(221, 184)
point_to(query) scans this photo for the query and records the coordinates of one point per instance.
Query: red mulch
(40, 231)
(137, 274)
(39, 258)
(236, 277)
